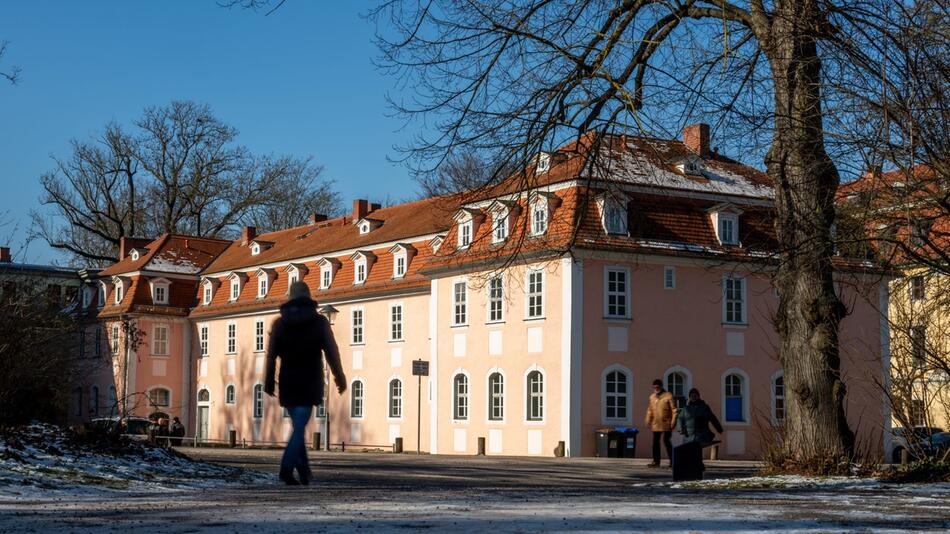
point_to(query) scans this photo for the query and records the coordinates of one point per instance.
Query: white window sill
(495, 323)
(534, 319)
(357, 344)
(460, 421)
(461, 325)
(230, 354)
(262, 351)
(738, 326)
(617, 319)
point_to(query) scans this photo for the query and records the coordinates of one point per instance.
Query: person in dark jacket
(177, 431)
(693, 420)
(300, 337)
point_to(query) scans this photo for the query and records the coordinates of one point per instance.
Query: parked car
(136, 427)
(920, 442)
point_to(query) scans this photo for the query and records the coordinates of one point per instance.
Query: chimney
(5, 255)
(360, 209)
(317, 217)
(248, 234)
(123, 247)
(696, 138)
(374, 206)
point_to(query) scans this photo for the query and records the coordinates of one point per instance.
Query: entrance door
(203, 412)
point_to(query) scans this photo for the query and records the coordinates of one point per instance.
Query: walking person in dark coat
(300, 337)
(693, 420)
(177, 432)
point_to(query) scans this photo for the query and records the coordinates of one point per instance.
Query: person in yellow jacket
(661, 413)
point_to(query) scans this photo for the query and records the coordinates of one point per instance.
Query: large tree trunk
(817, 436)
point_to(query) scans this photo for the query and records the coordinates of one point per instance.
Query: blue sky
(300, 81)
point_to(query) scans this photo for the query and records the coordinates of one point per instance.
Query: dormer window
(367, 225)
(264, 278)
(465, 234)
(101, 295)
(544, 163)
(402, 253)
(119, 284)
(436, 243)
(134, 255)
(206, 293)
(727, 229)
(259, 246)
(500, 227)
(467, 220)
(362, 262)
(295, 272)
(262, 287)
(613, 214)
(539, 217)
(236, 281)
(160, 291)
(328, 269)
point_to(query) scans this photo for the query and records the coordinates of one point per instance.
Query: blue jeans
(295, 455)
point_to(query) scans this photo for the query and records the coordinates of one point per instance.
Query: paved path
(384, 492)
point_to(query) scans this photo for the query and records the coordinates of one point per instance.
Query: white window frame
(326, 276)
(610, 206)
(399, 264)
(160, 293)
(259, 344)
(119, 292)
(912, 288)
(529, 417)
(732, 219)
(465, 234)
(235, 289)
(262, 283)
(396, 323)
(499, 229)
(775, 397)
(258, 398)
(293, 276)
(458, 406)
(255, 249)
(669, 277)
(101, 295)
(628, 400)
(687, 380)
(496, 302)
(160, 343)
(231, 333)
(207, 293)
(203, 340)
(395, 399)
(745, 396)
(625, 294)
(230, 394)
(114, 342)
(743, 301)
(491, 396)
(359, 271)
(460, 306)
(357, 401)
(534, 300)
(156, 388)
(539, 225)
(357, 328)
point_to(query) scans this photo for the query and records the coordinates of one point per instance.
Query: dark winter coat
(301, 337)
(693, 421)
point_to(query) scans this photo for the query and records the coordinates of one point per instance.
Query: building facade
(544, 313)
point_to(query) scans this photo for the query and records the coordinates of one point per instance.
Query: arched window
(676, 384)
(395, 398)
(205, 396)
(460, 397)
(616, 395)
(735, 401)
(229, 394)
(496, 397)
(356, 399)
(94, 401)
(535, 400)
(159, 397)
(778, 399)
(258, 401)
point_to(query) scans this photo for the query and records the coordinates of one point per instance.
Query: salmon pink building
(544, 313)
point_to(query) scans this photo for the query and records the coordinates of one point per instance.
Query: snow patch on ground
(40, 459)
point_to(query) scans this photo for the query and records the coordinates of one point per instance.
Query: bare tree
(518, 77)
(180, 170)
(11, 74)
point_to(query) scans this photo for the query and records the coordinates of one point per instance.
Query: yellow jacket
(661, 412)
